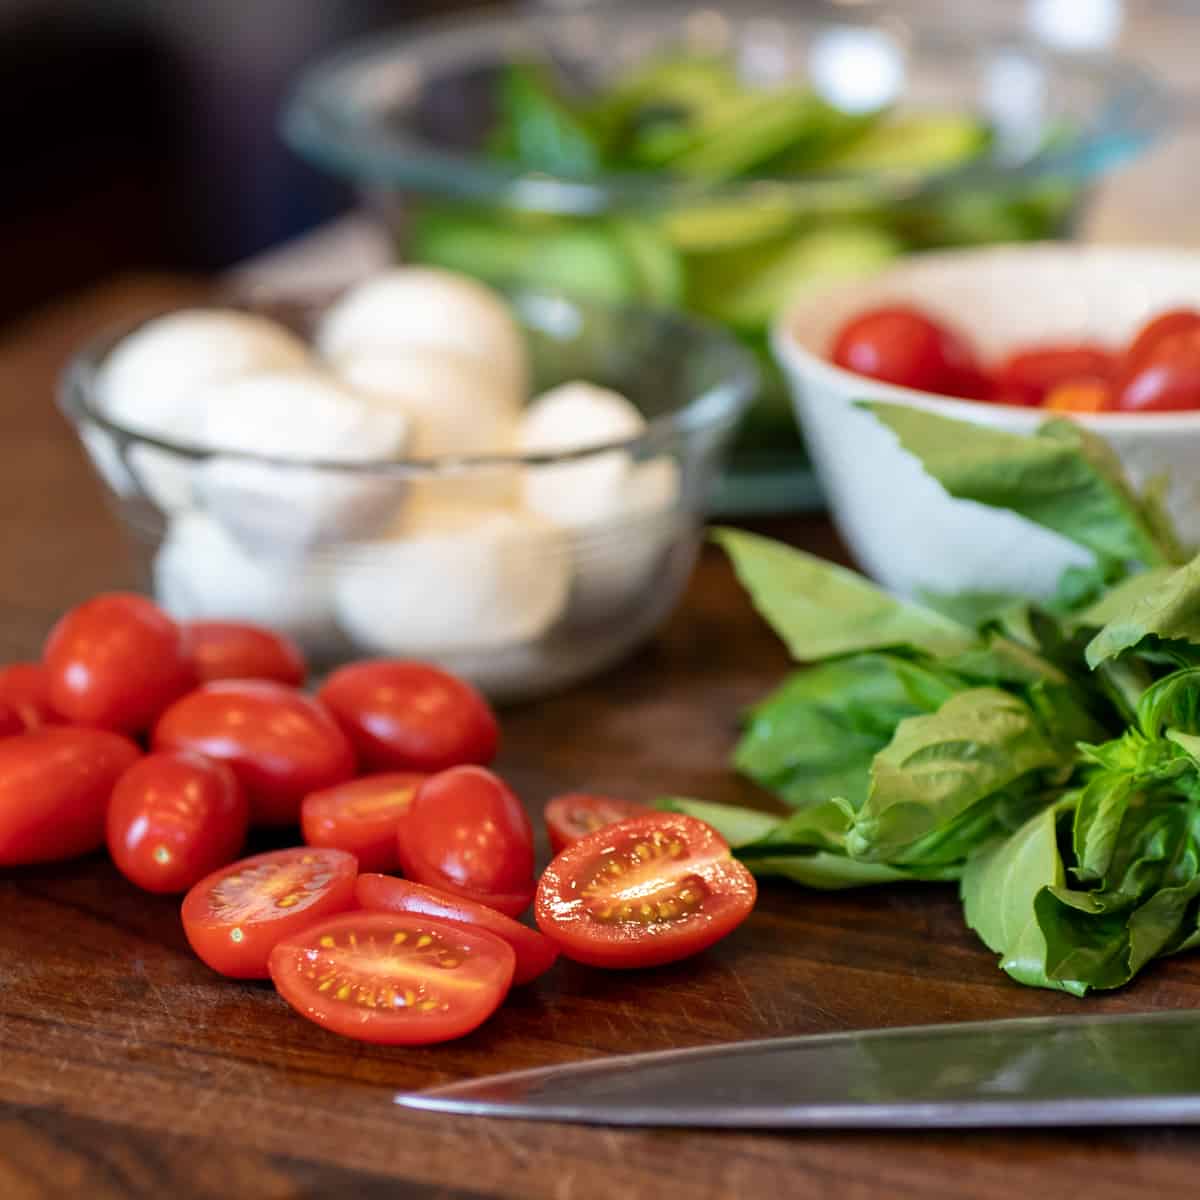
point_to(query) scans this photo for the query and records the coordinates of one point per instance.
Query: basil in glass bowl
(717, 161)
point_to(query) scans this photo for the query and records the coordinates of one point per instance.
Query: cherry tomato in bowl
(281, 744)
(55, 785)
(236, 650)
(574, 815)
(115, 662)
(410, 716)
(361, 816)
(901, 345)
(466, 833)
(647, 891)
(535, 952)
(397, 979)
(1081, 395)
(25, 688)
(1027, 376)
(175, 818)
(1168, 380)
(1165, 325)
(234, 917)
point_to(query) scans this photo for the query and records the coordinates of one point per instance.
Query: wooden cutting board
(128, 1069)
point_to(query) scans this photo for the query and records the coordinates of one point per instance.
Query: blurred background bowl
(520, 609)
(899, 524)
(408, 118)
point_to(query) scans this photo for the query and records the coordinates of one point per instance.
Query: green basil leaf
(821, 610)
(738, 826)
(1166, 610)
(978, 743)
(1061, 477)
(539, 128)
(1120, 598)
(1171, 702)
(1000, 885)
(815, 736)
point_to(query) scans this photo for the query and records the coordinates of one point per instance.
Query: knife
(1099, 1070)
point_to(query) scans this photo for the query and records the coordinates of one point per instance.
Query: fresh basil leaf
(1000, 885)
(539, 128)
(738, 826)
(972, 610)
(1098, 818)
(978, 743)
(828, 872)
(816, 735)
(1166, 611)
(1061, 477)
(1117, 600)
(821, 610)
(1171, 702)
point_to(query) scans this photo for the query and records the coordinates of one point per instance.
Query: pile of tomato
(1159, 371)
(168, 742)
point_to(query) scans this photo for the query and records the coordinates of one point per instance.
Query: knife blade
(1044, 1071)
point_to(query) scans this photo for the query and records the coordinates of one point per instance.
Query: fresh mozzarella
(154, 382)
(201, 573)
(452, 577)
(578, 416)
(618, 560)
(619, 514)
(425, 306)
(457, 405)
(306, 416)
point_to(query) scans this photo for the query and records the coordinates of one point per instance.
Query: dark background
(142, 133)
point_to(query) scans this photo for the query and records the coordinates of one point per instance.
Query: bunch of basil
(1047, 755)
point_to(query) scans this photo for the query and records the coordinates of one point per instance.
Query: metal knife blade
(1123, 1070)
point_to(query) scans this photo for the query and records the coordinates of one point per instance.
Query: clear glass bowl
(520, 609)
(407, 116)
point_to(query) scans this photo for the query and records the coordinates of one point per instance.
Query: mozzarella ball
(457, 406)
(617, 561)
(154, 380)
(425, 306)
(201, 573)
(277, 509)
(577, 416)
(454, 577)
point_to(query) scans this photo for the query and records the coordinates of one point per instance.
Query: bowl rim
(324, 119)
(715, 407)
(797, 358)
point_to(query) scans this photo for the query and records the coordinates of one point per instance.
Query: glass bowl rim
(322, 120)
(718, 405)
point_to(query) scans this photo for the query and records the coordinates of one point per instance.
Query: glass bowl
(408, 117)
(519, 605)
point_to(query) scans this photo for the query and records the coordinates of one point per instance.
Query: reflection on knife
(1127, 1070)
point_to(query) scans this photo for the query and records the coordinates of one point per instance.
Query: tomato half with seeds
(175, 818)
(25, 688)
(281, 744)
(237, 650)
(648, 891)
(362, 816)
(535, 952)
(466, 833)
(234, 917)
(410, 716)
(55, 785)
(115, 662)
(576, 814)
(397, 979)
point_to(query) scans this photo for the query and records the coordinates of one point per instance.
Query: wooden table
(128, 1069)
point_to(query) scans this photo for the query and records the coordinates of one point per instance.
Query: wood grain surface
(128, 1069)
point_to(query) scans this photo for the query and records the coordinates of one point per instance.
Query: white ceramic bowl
(901, 526)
